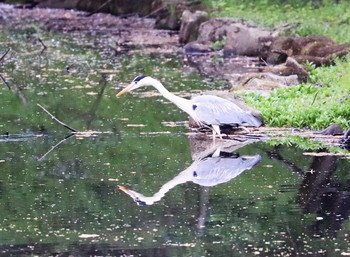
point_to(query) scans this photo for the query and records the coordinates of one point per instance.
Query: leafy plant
(219, 44)
(317, 104)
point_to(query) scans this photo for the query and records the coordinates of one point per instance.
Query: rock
(319, 50)
(333, 129)
(190, 23)
(289, 67)
(261, 82)
(237, 37)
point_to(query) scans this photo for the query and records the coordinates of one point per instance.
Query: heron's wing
(213, 171)
(213, 110)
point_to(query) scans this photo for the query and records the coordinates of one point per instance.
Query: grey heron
(206, 110)
(209, 171)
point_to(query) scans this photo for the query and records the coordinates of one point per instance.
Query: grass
(315, 105)
(324, 99)
(310, 17)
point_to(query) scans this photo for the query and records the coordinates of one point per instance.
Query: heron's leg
(216, 130)
(216, 153)
(245, 129)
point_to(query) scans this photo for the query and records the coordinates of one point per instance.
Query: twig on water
(57, 120)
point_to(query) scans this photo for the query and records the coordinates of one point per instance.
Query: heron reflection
(220, 167)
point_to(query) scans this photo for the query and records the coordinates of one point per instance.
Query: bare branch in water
(57, 120)
(5, 82)
(56, 145)
(3, 56)
(44, 46)
(2, 78)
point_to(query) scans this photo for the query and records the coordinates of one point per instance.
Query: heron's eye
(195, 174)
(138, 78)
(194, 107)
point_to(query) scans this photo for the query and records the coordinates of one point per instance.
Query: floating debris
(88, 236)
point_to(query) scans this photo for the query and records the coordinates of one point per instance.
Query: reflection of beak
(127, 191)
(127, 89)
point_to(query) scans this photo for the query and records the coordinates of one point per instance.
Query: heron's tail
(251, 120)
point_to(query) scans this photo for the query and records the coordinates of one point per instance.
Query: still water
(70, 196)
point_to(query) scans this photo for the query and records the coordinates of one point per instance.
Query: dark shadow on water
(320, 194)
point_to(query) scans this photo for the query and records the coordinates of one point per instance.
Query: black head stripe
(138, 78)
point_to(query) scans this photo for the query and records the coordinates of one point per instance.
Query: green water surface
(65, 200)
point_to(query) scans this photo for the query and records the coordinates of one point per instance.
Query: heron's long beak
(127, 191)
(127, 89)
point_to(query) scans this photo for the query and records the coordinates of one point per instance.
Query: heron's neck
(182, 103)
(181, 178)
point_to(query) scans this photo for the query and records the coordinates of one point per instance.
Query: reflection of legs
(203, 209)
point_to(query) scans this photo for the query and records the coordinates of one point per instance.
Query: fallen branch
(57, 120)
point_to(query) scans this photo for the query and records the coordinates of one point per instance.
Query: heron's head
(137, 82)
(134, 195)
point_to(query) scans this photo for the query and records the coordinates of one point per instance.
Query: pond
(137, 181)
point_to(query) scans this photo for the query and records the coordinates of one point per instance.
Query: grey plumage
(216, 170)
(213, 110)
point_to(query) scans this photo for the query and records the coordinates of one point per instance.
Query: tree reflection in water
(321, 194)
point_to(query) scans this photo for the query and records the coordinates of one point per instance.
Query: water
(59, 196)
